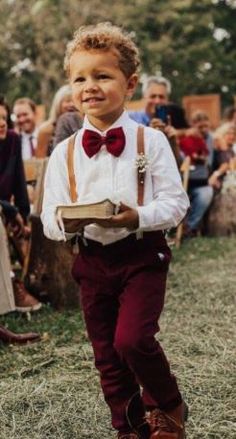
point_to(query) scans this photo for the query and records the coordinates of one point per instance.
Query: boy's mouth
(92, 100)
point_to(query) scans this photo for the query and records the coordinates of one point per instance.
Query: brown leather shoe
(7, 336)
(168, 425)
(23, 300)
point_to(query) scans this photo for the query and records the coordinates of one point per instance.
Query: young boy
(123, 261)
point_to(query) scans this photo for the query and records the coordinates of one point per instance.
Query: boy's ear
(131, 85)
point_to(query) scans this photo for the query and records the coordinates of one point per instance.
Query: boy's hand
(127, 217)
(76, 225)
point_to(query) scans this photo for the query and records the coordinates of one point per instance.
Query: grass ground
(51, 389)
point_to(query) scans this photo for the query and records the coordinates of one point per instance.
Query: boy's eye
(79, 79)
(103, 76)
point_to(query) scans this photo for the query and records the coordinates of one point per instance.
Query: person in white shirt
(123, 260)
(24, 110)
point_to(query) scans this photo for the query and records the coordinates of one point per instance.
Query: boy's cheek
(77, 102)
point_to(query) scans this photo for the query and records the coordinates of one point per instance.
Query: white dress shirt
(25, 144)
(105, 176)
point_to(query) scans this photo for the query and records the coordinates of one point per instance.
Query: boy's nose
(90, 85)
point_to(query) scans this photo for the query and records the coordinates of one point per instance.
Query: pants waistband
(149, 239)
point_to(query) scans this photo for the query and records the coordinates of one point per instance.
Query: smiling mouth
(92, 100)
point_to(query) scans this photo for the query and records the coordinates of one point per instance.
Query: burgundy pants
(122, 294)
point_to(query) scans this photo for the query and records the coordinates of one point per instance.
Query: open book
(102, 210)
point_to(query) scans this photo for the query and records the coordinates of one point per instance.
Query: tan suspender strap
(140, 176)
(70, 166)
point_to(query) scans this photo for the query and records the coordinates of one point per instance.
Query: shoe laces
(158, 421)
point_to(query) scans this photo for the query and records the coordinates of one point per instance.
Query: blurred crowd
(211, 154)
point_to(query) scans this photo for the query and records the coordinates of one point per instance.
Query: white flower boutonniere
(141, 163)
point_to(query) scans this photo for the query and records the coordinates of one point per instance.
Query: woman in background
(13, 190)
(62, 103)
(224, 153)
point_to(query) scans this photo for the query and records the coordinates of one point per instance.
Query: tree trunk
(49, 269)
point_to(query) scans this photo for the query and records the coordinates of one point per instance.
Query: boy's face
(99, 87)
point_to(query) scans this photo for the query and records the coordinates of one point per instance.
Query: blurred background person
(13, 190)
(229, 114)
(200, 128)
(62, 103)
(198, 145)
(7, 300)
(224, 153)
(160, 113)
(24, 112)
(67, 124)
(155, 91)
(12, 177)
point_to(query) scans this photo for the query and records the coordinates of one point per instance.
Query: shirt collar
(122, 121)
(34, 134)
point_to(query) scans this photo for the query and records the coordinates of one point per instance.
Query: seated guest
(24, 110)
(12, 178)
(67, 124)
(7, 300)
(156, 91)
(229, 114)
(225, 152)
(195, 147)
(16, 298)
(200, 127)
(13, 187)
(62, 103)
(200, 192)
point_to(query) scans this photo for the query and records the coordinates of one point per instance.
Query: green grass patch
(51, 389)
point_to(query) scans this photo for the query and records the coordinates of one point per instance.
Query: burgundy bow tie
(114, 141)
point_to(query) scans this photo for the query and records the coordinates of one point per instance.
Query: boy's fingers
(123, 208)
(116, 219)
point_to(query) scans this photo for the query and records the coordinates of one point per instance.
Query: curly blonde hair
(105, 37)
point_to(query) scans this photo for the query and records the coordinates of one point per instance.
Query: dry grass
(51, 389)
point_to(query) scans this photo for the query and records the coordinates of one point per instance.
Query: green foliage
(192, 43)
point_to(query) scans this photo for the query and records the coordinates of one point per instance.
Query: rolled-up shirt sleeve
(170, 202)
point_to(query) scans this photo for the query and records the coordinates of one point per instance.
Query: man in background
(24, 111)
(156, 91)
